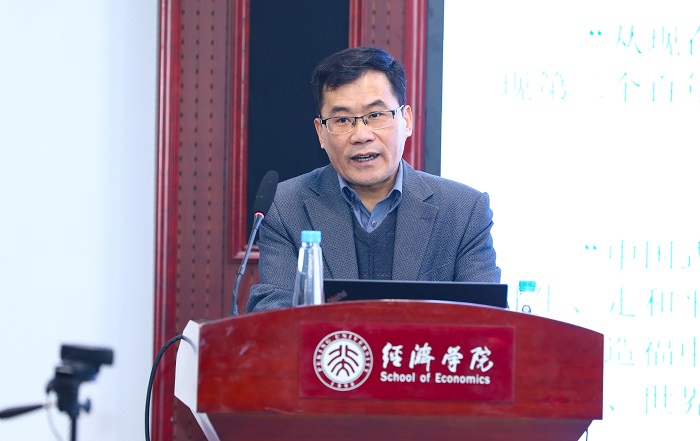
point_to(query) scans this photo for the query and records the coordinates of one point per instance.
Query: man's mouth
(364, 158)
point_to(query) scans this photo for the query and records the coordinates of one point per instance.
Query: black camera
(78, 364)
(83, 362)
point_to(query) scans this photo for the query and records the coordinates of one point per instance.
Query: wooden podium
(492, 374)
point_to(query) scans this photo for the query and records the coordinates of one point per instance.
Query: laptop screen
(489, 294)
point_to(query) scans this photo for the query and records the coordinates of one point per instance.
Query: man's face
(367, 159)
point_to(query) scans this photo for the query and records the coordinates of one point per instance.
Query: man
(380, 218)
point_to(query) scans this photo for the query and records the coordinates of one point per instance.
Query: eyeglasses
(339, 125)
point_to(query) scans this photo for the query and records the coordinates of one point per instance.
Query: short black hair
(346, 66)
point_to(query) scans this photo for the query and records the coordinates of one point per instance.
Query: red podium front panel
(391, 370)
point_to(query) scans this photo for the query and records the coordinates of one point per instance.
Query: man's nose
(362, 132)
(362, 119)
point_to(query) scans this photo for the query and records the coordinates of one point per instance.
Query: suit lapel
(330, 214)
(414, 225)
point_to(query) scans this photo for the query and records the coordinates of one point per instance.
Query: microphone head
(266, 193)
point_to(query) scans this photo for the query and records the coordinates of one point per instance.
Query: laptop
(489, 294)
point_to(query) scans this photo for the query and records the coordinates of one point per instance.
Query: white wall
(77, 174)
(595, 192)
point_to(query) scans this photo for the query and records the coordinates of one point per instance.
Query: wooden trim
(238, 157)
(166, 214)
(358, 23)
(412, 39)
(415, 34)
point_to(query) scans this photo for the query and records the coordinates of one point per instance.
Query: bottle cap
(311, 236)
(527, 286)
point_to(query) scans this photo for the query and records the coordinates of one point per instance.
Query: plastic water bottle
(527, 293)
(308, 286)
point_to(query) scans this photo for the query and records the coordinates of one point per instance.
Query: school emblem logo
(343, 360)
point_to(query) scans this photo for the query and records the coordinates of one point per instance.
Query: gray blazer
(443, 233)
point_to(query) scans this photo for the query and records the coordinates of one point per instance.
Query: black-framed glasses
(376, 120)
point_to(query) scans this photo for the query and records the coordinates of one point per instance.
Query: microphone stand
(263, 201)
(257, 220)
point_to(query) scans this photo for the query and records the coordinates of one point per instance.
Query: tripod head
(78, 364)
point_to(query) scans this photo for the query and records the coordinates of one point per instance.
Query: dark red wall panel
(196, 189)
(202, 156)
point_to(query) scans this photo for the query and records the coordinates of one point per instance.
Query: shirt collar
(398, 185)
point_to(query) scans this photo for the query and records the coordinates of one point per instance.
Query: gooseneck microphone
(263, 202)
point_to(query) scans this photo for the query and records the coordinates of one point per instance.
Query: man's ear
(319, 131)
(408, 117)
